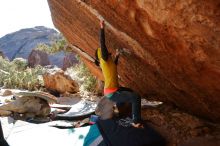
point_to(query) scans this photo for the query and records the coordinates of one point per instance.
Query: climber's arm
(104, 50)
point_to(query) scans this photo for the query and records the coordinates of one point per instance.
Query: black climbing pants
(127, 95)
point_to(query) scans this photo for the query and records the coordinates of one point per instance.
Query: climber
(112, 91)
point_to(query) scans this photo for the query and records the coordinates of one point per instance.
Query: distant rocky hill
(22, 42)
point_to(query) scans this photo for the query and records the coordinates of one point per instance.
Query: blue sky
(19, 14)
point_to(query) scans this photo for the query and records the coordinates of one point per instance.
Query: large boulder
(57, 82)
(174, 46)
(38, 57)
(29, 103)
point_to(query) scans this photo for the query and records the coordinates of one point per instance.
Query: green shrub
(20, 63)
(15, 74)
(5, 65)
(56, 46)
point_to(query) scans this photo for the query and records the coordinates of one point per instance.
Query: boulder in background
(38, 58)
(55, 80)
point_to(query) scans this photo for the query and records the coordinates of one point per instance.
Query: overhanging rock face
(174, 46)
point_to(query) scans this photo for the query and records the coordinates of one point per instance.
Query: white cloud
(19, 14)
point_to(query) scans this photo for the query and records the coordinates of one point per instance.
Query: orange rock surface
(58, 81)
(174, 46)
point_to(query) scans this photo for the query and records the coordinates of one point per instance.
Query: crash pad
(26, 134)
(82, 108)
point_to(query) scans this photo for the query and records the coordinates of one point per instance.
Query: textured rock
(42, 95)
(201, 141)
(69, 60)
(60, 59)
(37, 57)
(181, 129)
(56, 81)
(173, 45)
(30, 104)
(26, 105)
(7, 93)
(5, 113)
